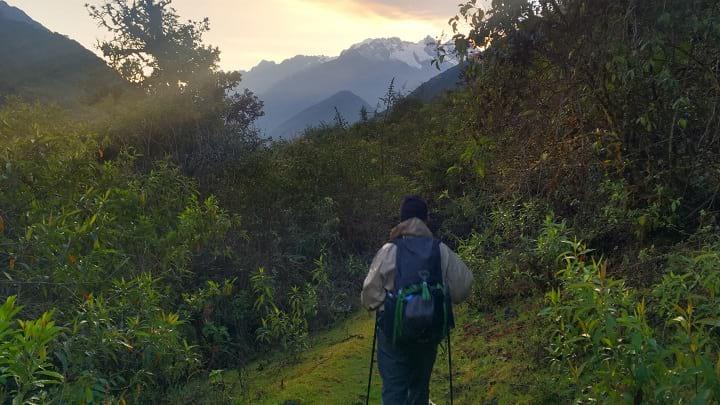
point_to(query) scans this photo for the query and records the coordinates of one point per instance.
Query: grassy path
(333, 371)
(494, 358)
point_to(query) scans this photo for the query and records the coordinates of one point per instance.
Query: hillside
(347, 104)
(447, 81)
(10, 13)
(42, 65)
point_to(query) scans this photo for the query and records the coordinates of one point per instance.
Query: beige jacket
(381, 277)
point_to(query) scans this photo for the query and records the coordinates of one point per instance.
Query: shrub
(515, 255)
(26, 371)
(618, 345)
(126, 344)
(220, 318)
(284, 328)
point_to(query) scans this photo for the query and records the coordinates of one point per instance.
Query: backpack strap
(414, 252)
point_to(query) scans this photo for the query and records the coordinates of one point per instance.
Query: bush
(515, 255)
(220, 319)
(27, 374)
(618, 345)
(111, 249)
(284, 328)
(126, 344)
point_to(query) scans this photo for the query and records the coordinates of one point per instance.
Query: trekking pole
(450, 366)
(372, 358)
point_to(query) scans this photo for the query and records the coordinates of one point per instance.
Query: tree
(193, 111)
(151, 47)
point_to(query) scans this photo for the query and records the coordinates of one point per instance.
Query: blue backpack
(418, 310)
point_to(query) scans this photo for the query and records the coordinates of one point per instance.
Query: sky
(248, 31)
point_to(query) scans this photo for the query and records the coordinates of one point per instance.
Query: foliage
(109, 248)
(287, 329)
(187, 107)
(515, 255)
(638, 90)
(550, 245)
(126, 345)
(618, 345)
(220, 322)
(26, 370)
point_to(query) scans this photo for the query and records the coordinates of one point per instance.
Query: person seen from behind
(412, 284)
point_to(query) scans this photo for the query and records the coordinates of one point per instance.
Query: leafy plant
(127, 342)
(604, 335)
(286, 328)
(27, 374)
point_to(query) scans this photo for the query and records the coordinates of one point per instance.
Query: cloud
(418, 9)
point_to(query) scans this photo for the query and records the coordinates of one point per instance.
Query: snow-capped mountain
(418, 55)
(365, 69)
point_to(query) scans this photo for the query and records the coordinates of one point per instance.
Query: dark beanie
(413, 207)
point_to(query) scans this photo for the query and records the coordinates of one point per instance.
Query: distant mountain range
(38, 64)
(263, 76)
(365, 70)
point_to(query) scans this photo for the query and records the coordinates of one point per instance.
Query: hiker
(412, 283)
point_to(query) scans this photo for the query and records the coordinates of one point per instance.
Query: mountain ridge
(344, 102)
(10, 13)
(446, 81)
(43, 65)
(261, 76)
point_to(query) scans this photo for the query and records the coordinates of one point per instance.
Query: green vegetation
(336, 367)
(605, 334)
(163, 252)
(491, 355)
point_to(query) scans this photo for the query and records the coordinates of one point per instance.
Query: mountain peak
(415, 54)
(8, 12)
(344, 102)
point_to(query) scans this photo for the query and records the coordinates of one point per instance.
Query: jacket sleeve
(458, 277)
(376, 281)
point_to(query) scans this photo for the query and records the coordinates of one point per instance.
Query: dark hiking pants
(405, 372)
